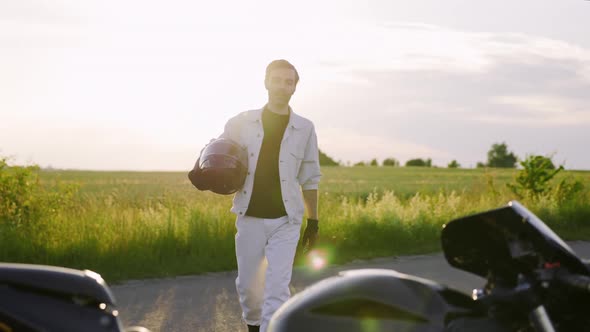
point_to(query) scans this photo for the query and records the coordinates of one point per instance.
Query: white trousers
(265, 249)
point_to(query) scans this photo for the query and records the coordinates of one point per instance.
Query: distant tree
(327, 161)
(390, 162)
(374, 162)
(360, 163)
(419, 162)
(453, 164)
(480, 165)
(499, 156)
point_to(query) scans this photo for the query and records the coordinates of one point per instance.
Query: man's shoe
(253, 328)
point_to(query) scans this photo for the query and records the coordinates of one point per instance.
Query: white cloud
(543, 110)
(407, 46)
(528, 91)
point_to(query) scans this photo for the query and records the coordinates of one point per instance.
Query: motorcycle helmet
(222, 167)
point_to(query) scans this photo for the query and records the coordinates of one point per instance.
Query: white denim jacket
(299, 165)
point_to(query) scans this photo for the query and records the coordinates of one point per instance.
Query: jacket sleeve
(232, 129)
(309, 172)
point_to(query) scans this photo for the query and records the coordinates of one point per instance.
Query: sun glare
(317, 259)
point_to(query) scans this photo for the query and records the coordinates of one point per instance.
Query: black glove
(310, 235)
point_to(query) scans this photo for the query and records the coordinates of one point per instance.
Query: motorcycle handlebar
(576, 281)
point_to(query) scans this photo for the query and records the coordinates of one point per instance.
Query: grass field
(128, 225)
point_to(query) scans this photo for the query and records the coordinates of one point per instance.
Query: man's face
(280, 85)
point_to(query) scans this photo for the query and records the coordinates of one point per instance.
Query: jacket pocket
(295, 163)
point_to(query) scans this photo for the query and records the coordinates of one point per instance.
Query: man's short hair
(281, 63)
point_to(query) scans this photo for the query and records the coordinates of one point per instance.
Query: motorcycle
(35, 298)
(534, 282)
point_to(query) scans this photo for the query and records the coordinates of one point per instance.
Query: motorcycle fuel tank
(372, 300)
(48, 298)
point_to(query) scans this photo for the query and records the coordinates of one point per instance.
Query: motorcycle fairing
(37, 298)
(57, 280)
(505, 242)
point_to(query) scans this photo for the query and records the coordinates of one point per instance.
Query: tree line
(498, 156)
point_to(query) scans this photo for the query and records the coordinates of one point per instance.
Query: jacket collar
(295, 120)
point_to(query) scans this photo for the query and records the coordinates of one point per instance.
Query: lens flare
(317, 259)
(369, 325)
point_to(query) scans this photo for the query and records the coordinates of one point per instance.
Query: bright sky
(144, 85)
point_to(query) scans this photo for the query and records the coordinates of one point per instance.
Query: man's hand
(310, 235)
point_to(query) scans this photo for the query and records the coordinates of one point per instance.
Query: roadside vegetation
(130, 225)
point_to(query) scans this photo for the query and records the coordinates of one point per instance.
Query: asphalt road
(208, 303)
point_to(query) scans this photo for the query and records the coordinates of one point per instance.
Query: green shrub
(23, 200)
(534, 180)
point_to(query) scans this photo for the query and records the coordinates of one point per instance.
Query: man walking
(283, 162)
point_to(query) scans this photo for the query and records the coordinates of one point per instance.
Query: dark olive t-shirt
(267, 200)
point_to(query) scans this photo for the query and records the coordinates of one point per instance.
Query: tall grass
(128, 225)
